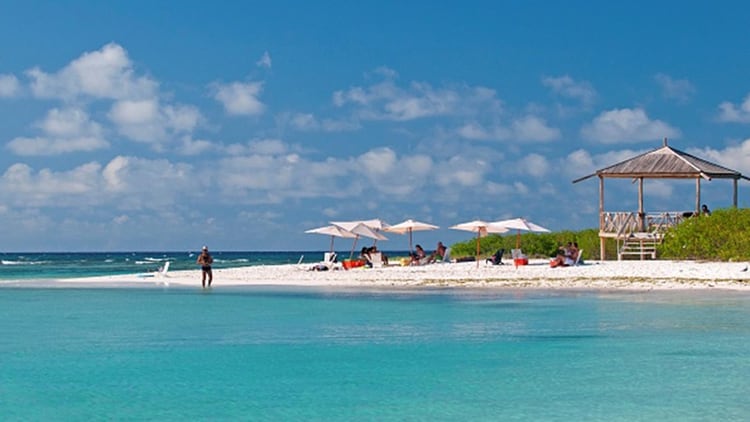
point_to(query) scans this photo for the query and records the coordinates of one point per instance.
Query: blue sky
(153, 126)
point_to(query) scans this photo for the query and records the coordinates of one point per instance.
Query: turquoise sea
(277, 354)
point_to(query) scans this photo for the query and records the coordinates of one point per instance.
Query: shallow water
(320, 354)
(18, 267)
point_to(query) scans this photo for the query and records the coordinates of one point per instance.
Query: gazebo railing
(621, 223)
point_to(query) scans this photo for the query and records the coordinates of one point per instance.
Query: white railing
(622, 224)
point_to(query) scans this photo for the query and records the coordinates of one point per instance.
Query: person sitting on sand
(439, 253)
(419, 255)
(566, 256)
(365, 255)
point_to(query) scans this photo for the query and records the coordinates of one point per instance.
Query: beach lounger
(497, 258)
(329, 262)
(161, 272)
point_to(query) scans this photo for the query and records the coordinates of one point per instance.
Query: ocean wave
(150, 259)
(7, 262)
(238, 260)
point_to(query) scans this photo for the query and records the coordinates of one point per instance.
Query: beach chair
(447, 257)
(497, 258)
(578, 258)
(330, 262)
(377, 259)
(161, 272)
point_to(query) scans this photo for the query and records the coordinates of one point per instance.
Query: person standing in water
(205, 260)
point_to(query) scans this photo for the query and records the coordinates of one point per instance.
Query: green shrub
(722, 236)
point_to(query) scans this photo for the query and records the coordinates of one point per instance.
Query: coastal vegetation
(536, 245)
(722, 236)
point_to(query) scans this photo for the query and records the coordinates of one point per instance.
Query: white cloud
(527, 128)
(136, 183)
(9, 86)
(627, 125)
(387, 101)
(108, 73)
(581, 163)
(240, 98)
(393, 175)
(677, 89)
(379, 162)
(105, 73)
(121, 219)
(264, 61)
(736, 157)
(567, 87)
(124, 183)
(476, 131)
(64, 131)
(149, 121)
(459, 171)
(736, 114)
(54, 146)
(535, 165)
(532, 128)
(192, 146)
(47, 187)
(309, 123)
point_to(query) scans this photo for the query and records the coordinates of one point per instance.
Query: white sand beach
(604, 275)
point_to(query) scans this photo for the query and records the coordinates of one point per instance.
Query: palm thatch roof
(666, 163)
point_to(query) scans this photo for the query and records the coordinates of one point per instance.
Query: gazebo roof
(666, 163)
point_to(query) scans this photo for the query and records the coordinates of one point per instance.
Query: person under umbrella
(482, 228)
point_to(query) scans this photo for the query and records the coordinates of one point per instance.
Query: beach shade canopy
(358, 229)
(410, 226)
(333, 231)
(519, 224)
(375, 223)
(481, 228)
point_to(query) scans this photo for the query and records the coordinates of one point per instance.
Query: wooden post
(697, 195)
(602, 240)
(641, 214)
(734, 197)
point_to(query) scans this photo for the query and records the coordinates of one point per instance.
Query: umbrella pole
(478, 233)
(518, 239)
(354, 245)
(330, 249)
(410, 249)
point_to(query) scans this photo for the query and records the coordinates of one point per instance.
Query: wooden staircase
(638, 244)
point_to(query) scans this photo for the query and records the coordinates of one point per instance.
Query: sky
(147, 126)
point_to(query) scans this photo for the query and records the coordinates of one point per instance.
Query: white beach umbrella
(358, 229)
(376, 224)
(519, 224)
(482, 228)
(410, 226)
(333, 231)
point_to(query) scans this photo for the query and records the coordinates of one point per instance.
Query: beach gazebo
(646, 228)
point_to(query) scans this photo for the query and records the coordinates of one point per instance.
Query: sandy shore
(625, 275)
